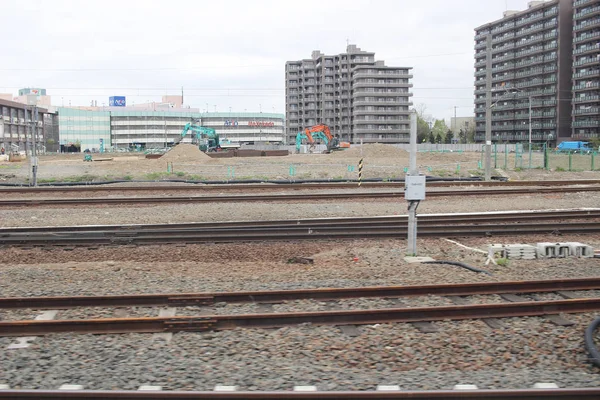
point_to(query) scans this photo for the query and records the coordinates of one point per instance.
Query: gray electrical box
(414, 187)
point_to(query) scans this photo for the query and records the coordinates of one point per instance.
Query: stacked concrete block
(521, 251)
(567, 249)
(513, 251)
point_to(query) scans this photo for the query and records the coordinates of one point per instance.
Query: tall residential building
(586, 69)
(357, 97)
(531, 64)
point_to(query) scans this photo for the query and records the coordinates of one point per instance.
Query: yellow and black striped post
(360, 166)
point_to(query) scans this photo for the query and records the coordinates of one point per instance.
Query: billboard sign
(261, 123)
(116, 101)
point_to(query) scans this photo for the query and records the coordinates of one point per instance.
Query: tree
(422, 130)
(431, 138)
(440, 128)
(438, 138)
(449, 136)
(462, 137)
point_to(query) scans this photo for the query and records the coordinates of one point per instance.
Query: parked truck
(574, 147)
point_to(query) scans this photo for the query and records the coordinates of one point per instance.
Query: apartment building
(531, 77)
(586, 69)
(358, 97)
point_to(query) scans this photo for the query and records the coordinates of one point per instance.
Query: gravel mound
(185, 152)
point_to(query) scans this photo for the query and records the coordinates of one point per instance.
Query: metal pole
(35, 160)
(488, 109)
(412, 205)
(529, 123)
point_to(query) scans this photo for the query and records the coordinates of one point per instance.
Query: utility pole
(488, 109)
(454, 125)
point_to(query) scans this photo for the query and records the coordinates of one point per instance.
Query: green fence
(540, 157)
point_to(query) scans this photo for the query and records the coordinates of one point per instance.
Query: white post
(414, 172)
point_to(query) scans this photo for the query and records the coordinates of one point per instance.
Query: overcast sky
(232, 53)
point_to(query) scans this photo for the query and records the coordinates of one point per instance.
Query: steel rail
(191, 186)
(324, 222)
(496, 394)
(97, 238)
(282, 197)
(211, 298)
(277, 320)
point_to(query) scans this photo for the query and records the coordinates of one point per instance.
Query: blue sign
(116, 101)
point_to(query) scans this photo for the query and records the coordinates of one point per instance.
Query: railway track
(432, 225)
(202, 323)
(524, 394)
(208, 298)
(84, 201)
(195, 187)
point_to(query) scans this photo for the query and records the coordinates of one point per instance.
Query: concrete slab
(148, 387)
(545, 385)
(305, 388)
(165, 336)
(224, 388)
(71, 387)
(411, 260)
(465, 387)
(388, 388)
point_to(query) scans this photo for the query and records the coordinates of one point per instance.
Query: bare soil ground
(380, 161)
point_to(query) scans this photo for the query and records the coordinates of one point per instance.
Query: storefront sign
(261, 123)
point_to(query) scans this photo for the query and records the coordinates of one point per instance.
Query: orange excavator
(321, 132)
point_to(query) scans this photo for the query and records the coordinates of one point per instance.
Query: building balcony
(586, 36)
(588, 12)
(587, 86)
(480, 64)
(356, 85)
(481, 35)
(480, 73)
(503, 68)
(586, 124)
(587, 49)
(503, 38)
(588, 111)
(508, 127)
(586, 24)
(587, 99)
(591, 73)
(506, 27)
(479, 46)
(530, 30)
(504, 107)
(533, 40)
(533, 18)
(508, 56)
(579, 3)
(585, 61)
(502, 78)
(506, 46)
(505, 117)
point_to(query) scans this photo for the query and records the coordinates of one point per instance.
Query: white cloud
(73, 48)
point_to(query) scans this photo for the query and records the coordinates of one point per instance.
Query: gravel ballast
(526, 351)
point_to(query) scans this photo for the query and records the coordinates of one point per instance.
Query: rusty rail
(203, 187)
(276, 320)
(210, 298)
(524, 394)
(283, 197)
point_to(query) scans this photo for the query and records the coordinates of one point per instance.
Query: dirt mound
(372, 151)
(185, 152)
